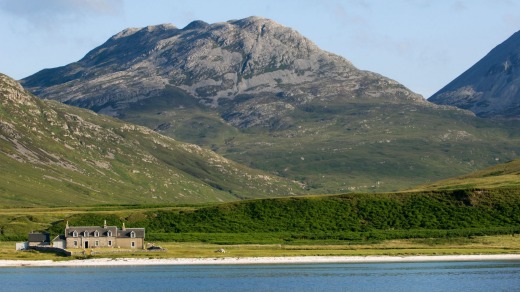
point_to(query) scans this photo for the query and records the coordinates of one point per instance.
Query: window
(132, 234)
(109, 233)
(97, 243)
(96, 233)
(133, 243)
(110, 243)
(75, 243)
(85, 233)
(74, 233)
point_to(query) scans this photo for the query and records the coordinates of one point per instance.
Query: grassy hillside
(52, 154)
(506, 175)
(344, 145)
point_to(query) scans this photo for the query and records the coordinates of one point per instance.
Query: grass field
(503, 244)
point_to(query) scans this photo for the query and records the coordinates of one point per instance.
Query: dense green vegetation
(342, 218)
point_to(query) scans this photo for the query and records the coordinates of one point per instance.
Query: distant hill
(262, 94)
(491, 87)
(54, 154)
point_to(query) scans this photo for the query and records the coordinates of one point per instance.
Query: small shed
(39, 239)
(59, 242)
(22, 245)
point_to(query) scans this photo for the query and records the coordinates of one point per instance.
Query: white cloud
(50, 13)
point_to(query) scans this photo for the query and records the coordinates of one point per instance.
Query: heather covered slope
(54, 154)
(261, 94)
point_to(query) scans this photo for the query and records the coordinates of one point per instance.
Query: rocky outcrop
(491, 87)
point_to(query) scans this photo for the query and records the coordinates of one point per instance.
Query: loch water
(426, 276)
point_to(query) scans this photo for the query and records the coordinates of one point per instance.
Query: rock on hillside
(491, 87)
(54, 154)
(219, 65)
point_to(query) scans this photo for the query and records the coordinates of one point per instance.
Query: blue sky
(423, 44)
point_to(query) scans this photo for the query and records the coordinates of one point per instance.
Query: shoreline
(256, 260)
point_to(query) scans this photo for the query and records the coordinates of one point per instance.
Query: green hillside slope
(54, 154)
(341, 145)
(506, 175)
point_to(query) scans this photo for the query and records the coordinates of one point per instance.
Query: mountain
(491, 87)
(55, 154)
(221, 65)
(262, 94)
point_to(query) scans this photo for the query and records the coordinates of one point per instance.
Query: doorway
(86, 244)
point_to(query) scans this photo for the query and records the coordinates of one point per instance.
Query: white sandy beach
(255, 260)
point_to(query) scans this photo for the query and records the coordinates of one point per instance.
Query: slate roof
(39, 237)
(103, 231)
(139, 233)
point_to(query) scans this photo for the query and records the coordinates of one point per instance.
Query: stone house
(103, 236)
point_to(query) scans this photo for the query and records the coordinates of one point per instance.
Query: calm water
(436, 276)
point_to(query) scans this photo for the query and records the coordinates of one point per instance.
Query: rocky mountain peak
(255, 22)
(132, 30)
(196, 24)
(213, 64)
(491, 87)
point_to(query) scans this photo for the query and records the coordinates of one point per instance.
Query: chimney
(67, 225)
(124, 228)
(105, 224)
